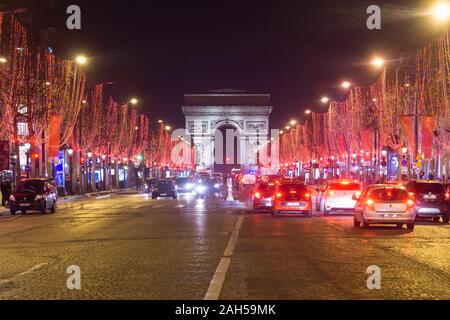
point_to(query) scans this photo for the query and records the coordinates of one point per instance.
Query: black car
(33, 194)
(149, 184)
(432, 199)
(164, 188)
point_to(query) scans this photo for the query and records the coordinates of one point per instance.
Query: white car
(338, 195)
(384, 204)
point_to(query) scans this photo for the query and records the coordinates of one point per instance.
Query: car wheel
(365, 225)
(326, 212)
(275, 212)
(23, 211)
(44, 208)
(154, 197)
(410, 226)
(308, 214)
(13, 212)
(399, 225)
(436, 219)
(356, 223)
(174, 197)
(446, 218)
(53, 209)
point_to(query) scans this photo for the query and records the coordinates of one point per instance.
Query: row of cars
(200, 186)
(396, 203)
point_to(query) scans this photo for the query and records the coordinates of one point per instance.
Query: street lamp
(3, 60)
(377, 62)
(404, 149)
(168, 128)
(441, 12)
(287, 127)
(27, 152)
(325, 100)
(307, 111)
(81, 60)
(293, 122)
(134, 101)
(346, 84)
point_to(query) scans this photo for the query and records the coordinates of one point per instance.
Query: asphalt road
(131, 247)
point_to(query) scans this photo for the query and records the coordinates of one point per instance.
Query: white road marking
(33, 268)
(104, 197)
(180, 206)
(215, 286)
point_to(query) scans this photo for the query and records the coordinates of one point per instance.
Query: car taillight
(307, 195)
(331, 193)
(447, 195)
(410, 203)
(370, 203)
(278, 195)
(257, 195)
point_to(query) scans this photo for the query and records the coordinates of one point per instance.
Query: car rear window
(345, 186)
(266, 188)
(292, 187)
(389, 194)
(165, 183)
(428, 187)
(182, 180)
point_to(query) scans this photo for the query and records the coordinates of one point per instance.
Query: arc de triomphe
(207, 114)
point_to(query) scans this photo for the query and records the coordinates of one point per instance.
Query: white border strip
(215, 286)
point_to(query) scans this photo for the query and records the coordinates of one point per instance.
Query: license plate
(296, 204)
(163, 194)
(432, 197)
(24, 204)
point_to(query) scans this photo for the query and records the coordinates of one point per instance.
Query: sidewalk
(5, 211)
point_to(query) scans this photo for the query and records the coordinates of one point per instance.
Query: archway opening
(230, 160)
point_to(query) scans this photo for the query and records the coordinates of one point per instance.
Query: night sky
(295, 50)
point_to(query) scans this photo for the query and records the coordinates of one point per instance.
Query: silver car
(338, 195)
(384, 204)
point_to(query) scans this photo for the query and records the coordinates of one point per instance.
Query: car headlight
(217, 186)
(201, 189)
(11, 198)
(38, 197)
(188, 186)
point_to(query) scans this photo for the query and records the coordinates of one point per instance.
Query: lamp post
(70, 153)
(27, 163)
(104, 170)
(89, 164)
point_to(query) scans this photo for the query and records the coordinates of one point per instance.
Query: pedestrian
(6, 190)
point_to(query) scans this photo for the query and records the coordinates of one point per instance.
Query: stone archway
(205, 114)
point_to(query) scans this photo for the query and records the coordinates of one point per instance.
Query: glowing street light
(307, 111)
(377, 62)
(287, 127)
(3, 60)
(293, 122)
(81, 60)
(89, 153)
(325, 99)
(134, 101)
(346, 84)
(168, 128)
(160, 121)
(441, 12)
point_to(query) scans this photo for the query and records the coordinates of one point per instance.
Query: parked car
(164, 188)
(33, 194)
(292, 198)
(431, 199)
(338, 195)
(384, 204)
(262, 196)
